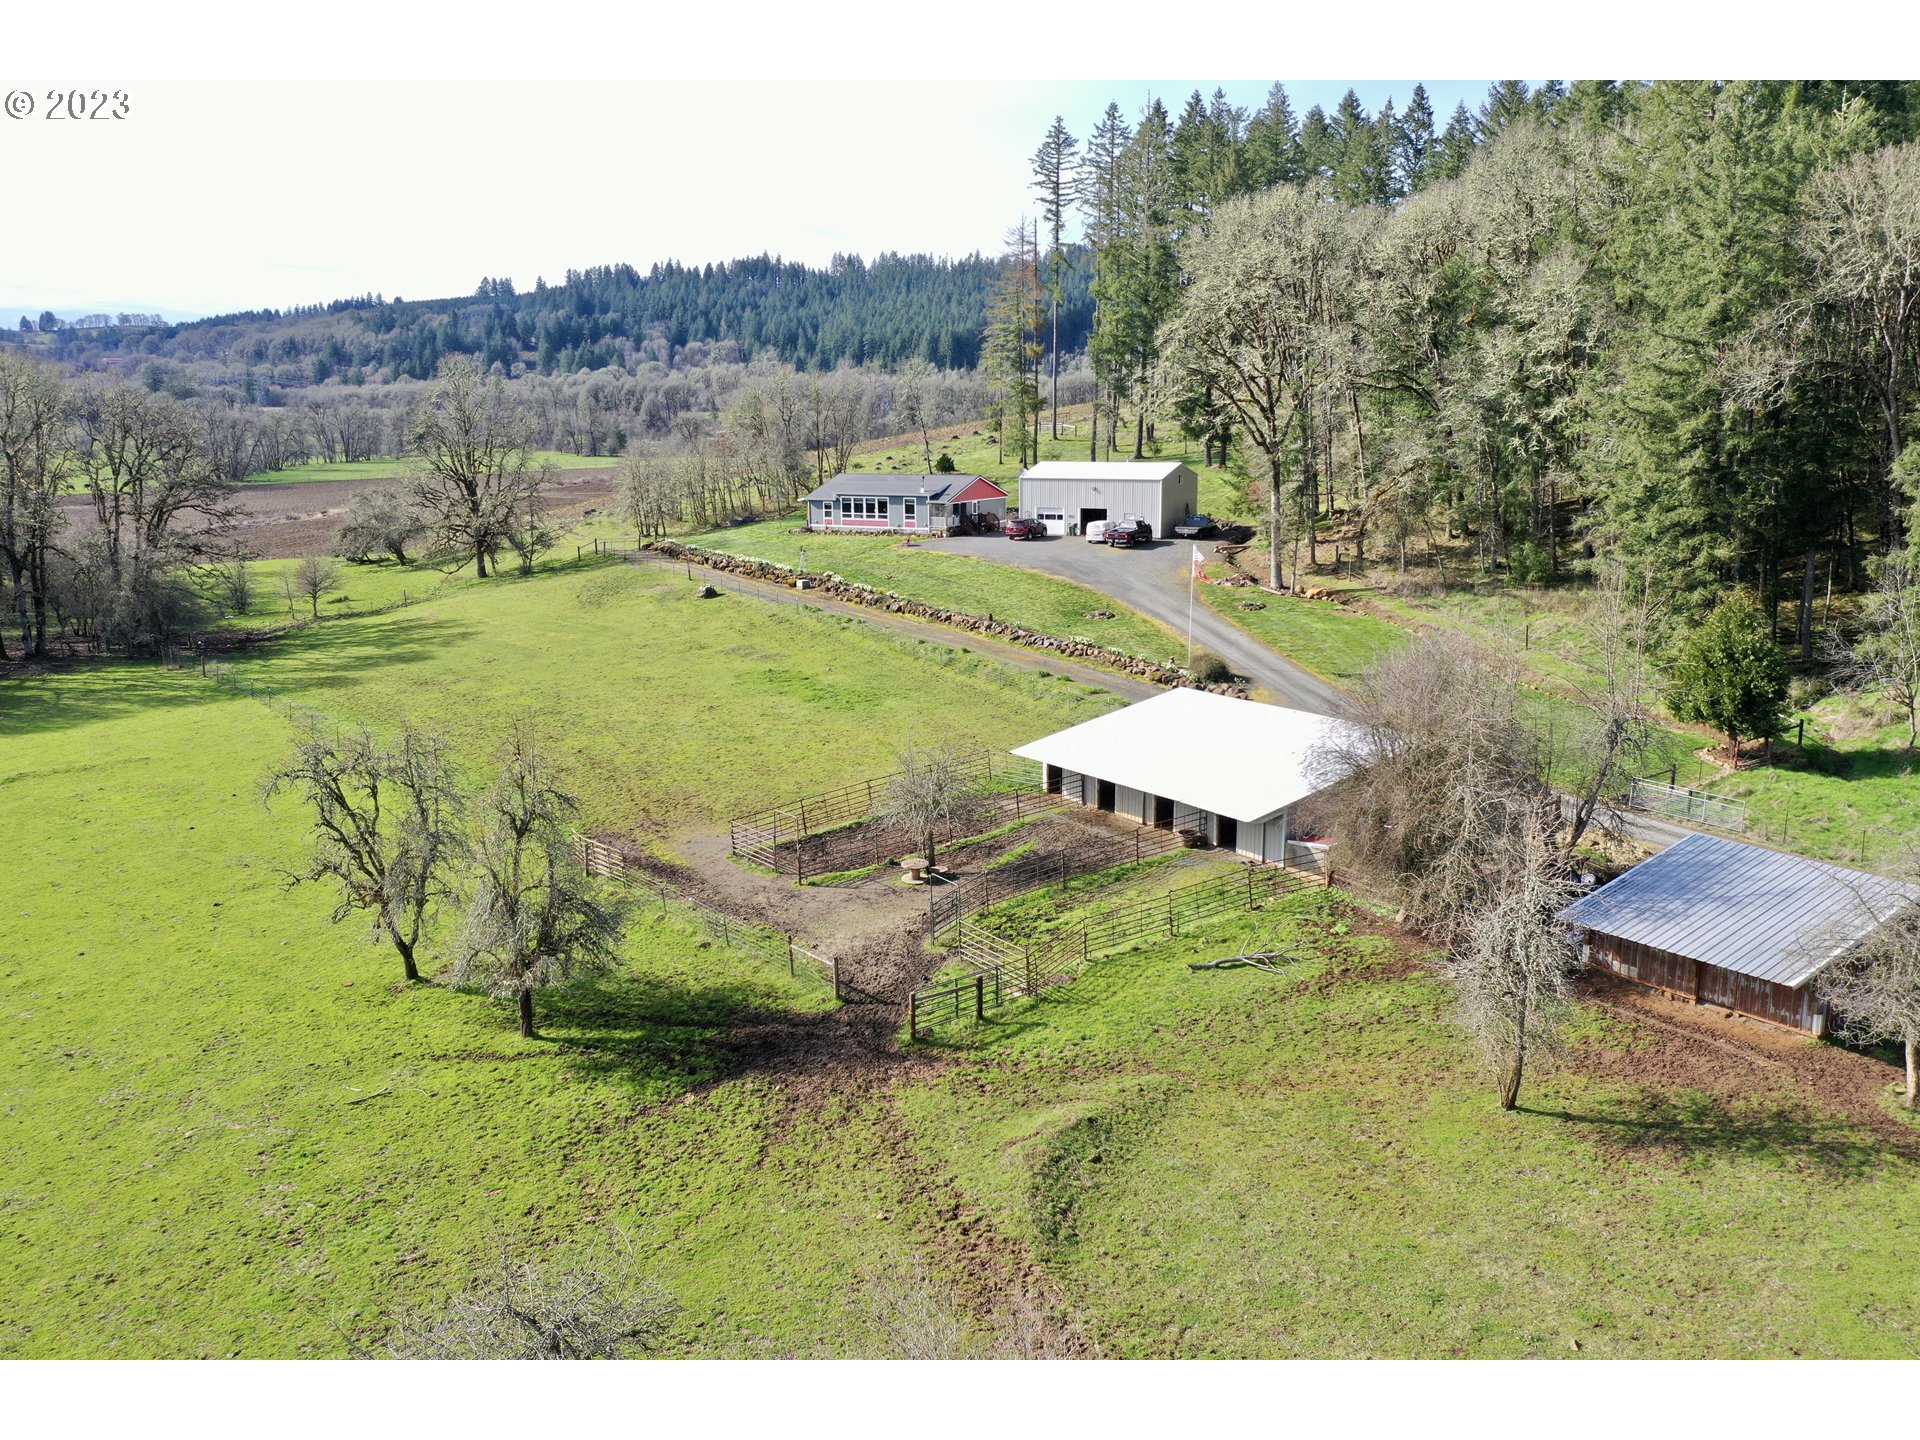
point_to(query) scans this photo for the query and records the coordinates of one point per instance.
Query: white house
(1068, 495)
(1230, 769)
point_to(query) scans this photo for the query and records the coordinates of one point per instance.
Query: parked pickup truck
(1196, 527)
(1128, 532)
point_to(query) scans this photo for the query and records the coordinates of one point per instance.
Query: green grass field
(1233, 1163)
(229, 1131)
(386, 469)
(684, 711)
(959, 582)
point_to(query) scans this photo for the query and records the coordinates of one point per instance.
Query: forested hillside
(1674, 325)
(892, 309)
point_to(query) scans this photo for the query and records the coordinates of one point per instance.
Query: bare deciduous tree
(1886, 658)
(930, 789)
(533, 920)
(379, 522)
(1874, 985)
(314, 577)
(233, 582)
(1514, 967)
(1616, 734)
(34, 416)
(594, 1304)
(470, 436)
(385, 826)
(1440, 779)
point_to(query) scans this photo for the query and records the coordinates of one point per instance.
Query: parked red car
(1020, 527)
(1128, 532)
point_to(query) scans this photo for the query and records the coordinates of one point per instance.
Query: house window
(912, 512)
(863, 507)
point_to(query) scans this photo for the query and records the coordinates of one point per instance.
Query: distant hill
(886, 310)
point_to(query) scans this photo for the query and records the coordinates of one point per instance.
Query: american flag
(1199, 564)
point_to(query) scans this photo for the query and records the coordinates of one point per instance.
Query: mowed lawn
(1232, 1163)
(956, 582)
(227, 1130)
(673, 713)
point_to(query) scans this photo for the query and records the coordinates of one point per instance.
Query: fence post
(1170, 925)
(836, 978)
(980, 997)
(790, 952)
(913, 1017)
(1250, 886)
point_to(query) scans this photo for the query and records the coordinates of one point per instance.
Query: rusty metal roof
(1754, 911)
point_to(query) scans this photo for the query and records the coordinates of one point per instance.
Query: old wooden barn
(1230, 771)
(1721, 923)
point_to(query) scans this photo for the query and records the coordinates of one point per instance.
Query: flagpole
(1190, 569)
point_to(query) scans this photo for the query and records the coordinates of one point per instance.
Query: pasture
(228, 1130)
(960, 582)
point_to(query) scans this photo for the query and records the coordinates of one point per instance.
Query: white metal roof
(1102, 470)
(1212, 752)
(1757, 912)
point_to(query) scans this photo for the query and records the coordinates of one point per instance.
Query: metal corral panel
(1751, 911)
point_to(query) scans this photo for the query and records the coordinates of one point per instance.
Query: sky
(220, 196)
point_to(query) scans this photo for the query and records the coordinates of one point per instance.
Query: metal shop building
(1229, 771)
(1068, 495)
(1738, 926)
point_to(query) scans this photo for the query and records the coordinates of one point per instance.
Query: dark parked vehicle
(1196, 527)
(1020, 527)
(1128, 532)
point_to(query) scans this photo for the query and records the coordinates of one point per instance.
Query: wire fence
(1690, 807)
(1007, 969)
(767, 942)
(951, 901)
(799, 837)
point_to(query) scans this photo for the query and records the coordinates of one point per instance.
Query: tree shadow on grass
(344, 650)
(664, 1038)
(1691, 1125)
(110, 690)
(104, 691)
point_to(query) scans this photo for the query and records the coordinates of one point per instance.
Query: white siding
(1134, 804)
(1163, 502)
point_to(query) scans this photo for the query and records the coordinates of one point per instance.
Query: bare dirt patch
(301, 517)
(1679, 1046)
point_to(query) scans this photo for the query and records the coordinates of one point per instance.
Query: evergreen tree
(1412, 149)
(1053, 175)
(1506, 102)
(1273, 143)
(1100, 193)
(1729, 674)
(1455, 147)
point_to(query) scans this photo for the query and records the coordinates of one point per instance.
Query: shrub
(944, 465)
(1209, 669)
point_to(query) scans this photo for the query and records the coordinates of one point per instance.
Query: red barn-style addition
(908, 504)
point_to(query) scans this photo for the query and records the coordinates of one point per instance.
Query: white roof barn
(1193, 759)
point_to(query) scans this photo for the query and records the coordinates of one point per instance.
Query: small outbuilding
(1232, 771)
(1722, 923)
(1068, 495)
(907, 504)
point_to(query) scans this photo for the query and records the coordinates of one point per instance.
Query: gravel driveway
(1152, 579)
